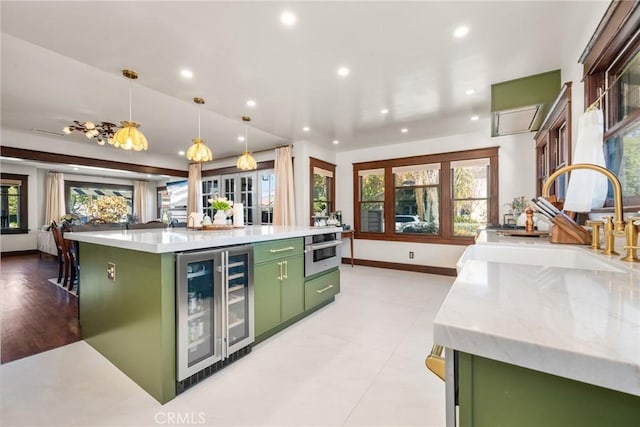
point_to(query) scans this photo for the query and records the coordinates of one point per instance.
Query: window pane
(468, 216)
(417, 175)
(417, 210)
(623, 159)
(627, 89)
(372, 186)
(82, 198)
(10, 205)
(372, 217)
(470, 179)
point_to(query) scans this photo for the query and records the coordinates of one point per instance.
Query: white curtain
(194, 196)
(284, 206)
(140, 199)
(55, 206)
(587, 189)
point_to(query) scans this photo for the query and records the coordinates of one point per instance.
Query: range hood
(520, 105)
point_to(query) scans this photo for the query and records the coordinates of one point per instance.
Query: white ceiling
(61, 61)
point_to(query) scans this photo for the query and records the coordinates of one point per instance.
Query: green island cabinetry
(493, 393)
(282, 297)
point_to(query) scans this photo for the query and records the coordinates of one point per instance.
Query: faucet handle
(595, 233)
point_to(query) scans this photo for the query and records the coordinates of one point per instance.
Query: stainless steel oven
(321, 253)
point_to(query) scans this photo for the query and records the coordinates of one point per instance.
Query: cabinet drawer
(267, 251)
(320, 289)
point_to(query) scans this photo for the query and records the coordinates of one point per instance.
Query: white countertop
(159, 240)
(559, 309)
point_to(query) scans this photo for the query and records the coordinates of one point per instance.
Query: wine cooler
(214, 309)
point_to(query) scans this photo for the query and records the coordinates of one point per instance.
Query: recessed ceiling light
(75, 169)
(288, 18)
(187, 74)
(343, 71)
(461, 31)
(474, 118)
(384, 111)
(181, 153)
(404, 130)
(148, 175)
(305, 129)
(336, 142)
(241, 138)
(251, 103)
(470, 91)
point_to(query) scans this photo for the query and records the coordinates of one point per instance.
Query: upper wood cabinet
(553, 143)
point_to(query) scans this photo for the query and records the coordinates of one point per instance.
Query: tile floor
(356, 362)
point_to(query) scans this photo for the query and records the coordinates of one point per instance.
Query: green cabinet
(321, 288)
(279, 283)
(493, 393)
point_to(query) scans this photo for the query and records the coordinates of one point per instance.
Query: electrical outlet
(410, 254)
(111, 271)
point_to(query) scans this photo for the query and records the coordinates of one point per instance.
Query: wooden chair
(57, 239)
(71, 267)
(68, 271)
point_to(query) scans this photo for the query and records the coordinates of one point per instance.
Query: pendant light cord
(130, 99)
(246, 139)
(198, 123)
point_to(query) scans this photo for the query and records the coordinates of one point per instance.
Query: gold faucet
(631, 234)
(609, 237)
(617, 188)
(595, 234)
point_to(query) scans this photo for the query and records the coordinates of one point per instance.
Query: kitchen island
(542, 334)
(128, 292)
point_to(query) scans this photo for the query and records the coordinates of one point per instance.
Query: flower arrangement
(518, 205)
(110, 208)
(71, 218)
(220, 203)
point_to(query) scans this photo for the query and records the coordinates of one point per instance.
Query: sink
(564, 257)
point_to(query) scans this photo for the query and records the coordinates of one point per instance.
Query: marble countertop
(181, 239)
(559, 309)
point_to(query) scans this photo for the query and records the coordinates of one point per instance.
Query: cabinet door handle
(326, 288)
(280, 266)
(275, 251)
(286, 270)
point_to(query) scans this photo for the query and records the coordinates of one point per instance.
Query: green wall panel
(131, 320)
(493, 393)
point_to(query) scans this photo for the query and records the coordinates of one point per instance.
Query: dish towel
(587, 189)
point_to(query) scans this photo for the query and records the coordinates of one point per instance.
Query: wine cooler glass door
(239, 290)
(199, 331)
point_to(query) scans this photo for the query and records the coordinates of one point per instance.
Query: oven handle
(311, 248)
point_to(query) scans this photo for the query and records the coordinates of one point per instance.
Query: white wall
(516, 178)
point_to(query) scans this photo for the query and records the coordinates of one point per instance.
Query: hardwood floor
(36, 315)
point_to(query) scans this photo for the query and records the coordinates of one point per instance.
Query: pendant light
(128, 136)
(246, 162)
(198, 152)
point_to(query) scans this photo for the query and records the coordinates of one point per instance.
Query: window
(439, 198)
(323, 188)
(210, 189)
(553, 144)
(612, 79)
(80, 197)
(13, 203)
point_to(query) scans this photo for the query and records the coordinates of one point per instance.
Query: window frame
(68, 184)
(23, 214)
(446, 235)
(331, 193)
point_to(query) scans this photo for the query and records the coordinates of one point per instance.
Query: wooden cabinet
(279, 283)
(553, 144)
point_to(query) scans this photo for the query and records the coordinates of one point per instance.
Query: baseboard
(441, 271)
(18, 253)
